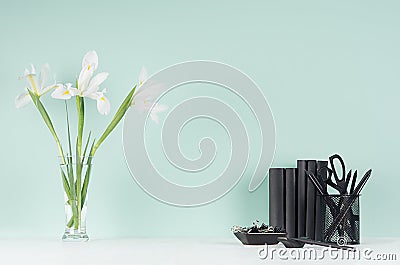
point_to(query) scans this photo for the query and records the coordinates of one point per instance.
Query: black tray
(259, 238)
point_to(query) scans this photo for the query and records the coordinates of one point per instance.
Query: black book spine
(311, 194)
(301, 197)
(291, 202)
(319, 206)
(277, 197)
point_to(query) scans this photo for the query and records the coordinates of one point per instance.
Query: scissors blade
(353, 182)
(362, 182)
(347, 181)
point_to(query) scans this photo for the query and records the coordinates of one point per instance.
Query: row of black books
(293, 201)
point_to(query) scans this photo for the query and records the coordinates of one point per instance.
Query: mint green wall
(330, 71)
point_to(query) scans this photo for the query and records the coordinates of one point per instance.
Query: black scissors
(342, 183)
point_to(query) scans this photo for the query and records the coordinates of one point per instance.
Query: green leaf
(116, 119)
(66, 185)
(73, 186)
(68, 130)
(87, 175)
(86, 146)
(47, 121)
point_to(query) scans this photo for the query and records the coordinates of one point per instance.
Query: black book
(310, 208)
(277, 197)
(291, 202)
(301, 197)
(319, 206)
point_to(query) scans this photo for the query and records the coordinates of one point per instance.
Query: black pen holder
(332, 208)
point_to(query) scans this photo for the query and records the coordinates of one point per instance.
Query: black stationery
(300, 203)
(277, 197)
(310, 208)
(320, 211)
(291, 202)
(301, 197)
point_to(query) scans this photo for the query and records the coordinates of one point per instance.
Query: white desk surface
(167, 251)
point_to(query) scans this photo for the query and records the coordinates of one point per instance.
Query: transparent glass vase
(75, 174)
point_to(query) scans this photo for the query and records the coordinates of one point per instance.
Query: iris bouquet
(76, 163)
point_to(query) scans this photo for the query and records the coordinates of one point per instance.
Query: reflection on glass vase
(75, 174)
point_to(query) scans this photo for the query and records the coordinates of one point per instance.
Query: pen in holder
(348, 230)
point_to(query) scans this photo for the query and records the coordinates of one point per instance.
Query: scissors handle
(331, 159)
(329, 181)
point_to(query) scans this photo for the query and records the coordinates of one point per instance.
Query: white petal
(25, 75)
(33, 83)
(142, 76)
(95, 83)
(61, 93)
(94, 95)
(48, 88)
(33, 69)
(22, 100)
(83, 79)
(72, 90)
(90, 61)
(160, 108)
(154, 117)
(148, 92)
(138, 91)
(44, 74)
(103, 105)
(138, 105)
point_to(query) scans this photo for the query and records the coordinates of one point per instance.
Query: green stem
(86, 180)
(73, 186)
(72, 202)
(68, 193)
(80, 107)
(70, 222)
(78, 182)
(66, 185)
